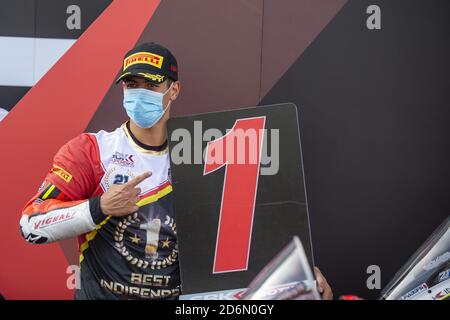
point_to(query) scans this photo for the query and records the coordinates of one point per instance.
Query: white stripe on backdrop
(23, 61)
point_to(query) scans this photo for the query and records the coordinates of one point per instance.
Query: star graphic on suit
(166, 243)
(135, 239)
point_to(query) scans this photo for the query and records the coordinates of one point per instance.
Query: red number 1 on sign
(240, 152)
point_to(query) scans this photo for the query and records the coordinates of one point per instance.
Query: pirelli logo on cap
(143, 57)
(63, 174)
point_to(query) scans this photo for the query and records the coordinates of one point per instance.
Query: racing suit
(129, 257)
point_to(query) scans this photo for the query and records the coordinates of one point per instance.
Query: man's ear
(175, 90)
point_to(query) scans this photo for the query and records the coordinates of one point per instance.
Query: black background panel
(51, 17)
(17, 18)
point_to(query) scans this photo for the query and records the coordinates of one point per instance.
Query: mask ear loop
(168, 104)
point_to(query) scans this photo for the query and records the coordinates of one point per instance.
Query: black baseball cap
(150, 61)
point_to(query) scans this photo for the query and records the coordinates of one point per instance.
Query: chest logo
(152, 242)
(123, 159)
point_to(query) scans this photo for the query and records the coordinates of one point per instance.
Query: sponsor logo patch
(63, 174)
(52, 220)
(414, 292)
(123, 159)
(143, 57)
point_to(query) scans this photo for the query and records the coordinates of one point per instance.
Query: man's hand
(323, 286)
(120, 199)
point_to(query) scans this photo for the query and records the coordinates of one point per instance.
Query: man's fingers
(134, 200)
(134, 182)
(320, 279)
(322, 285)
(136, 191)
(318, 274)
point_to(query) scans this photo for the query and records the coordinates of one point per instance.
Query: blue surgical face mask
(144, 107)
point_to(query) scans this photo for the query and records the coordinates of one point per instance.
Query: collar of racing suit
(152, 149)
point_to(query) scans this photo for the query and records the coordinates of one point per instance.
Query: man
(127, 234)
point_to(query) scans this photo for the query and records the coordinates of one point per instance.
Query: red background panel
(55, 110)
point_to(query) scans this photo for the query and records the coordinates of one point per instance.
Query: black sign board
(239, 193)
